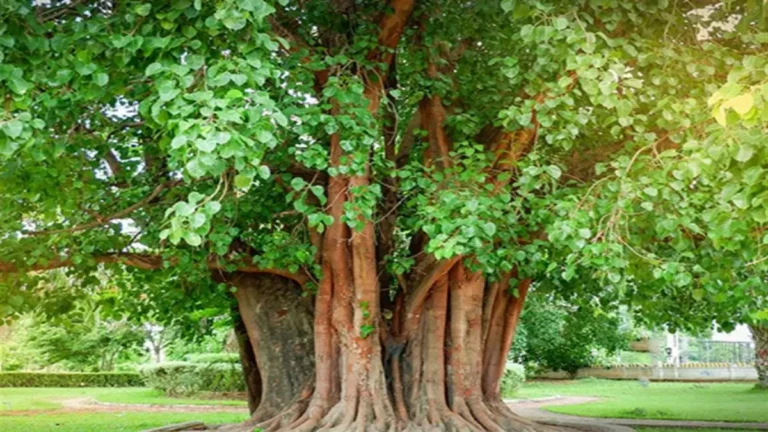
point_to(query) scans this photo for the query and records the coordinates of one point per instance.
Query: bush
(558, 336)
(69, 379)
(209, 358)
(513, 379)
(185, 378)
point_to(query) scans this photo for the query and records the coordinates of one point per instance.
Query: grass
(49, 398)
(113, 422)
(693, 430)
(142, 395)
(670, 401)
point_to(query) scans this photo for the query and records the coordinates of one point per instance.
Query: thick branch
(423, 278)
(391, 28)
(153, 262)
(101, 221)
(114, 163)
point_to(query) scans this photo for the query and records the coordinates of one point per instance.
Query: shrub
(209, 358)
(69, 379)
(513, 379)
(185, 378)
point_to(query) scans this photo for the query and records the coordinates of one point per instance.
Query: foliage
(211, 336)
(557, 336)
(15, 353)
(513, 379)
(69, 379)
(82, 340)
(209, 358)
(185, 378)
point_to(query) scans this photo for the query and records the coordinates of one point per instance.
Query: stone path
(532, 409)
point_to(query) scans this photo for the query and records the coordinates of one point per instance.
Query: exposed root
(463, 418)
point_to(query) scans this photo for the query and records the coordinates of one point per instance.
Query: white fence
(685, 372)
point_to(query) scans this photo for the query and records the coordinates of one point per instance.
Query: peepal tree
(379, 183)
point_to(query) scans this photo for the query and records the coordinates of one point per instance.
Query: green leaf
(366, 330)
(243, 181)
(508, 5)
(264, 172)
(195, 168)
(13, 128)
(280, 119)
(18, 85)
(195, 197)
(319, 192)
(212, 207)
(101, 79)
(651, 191)
(554, 171)
(489, 228)
(720, 114)
(153, 68)
(741, 104)
(561, 23)
(745, 153)
(197, 220)
(234, 21)
(143, 9)
(298, 183)
(178, 141)
(192, 238)
(206, 145)
(222, 137)
(183, 208)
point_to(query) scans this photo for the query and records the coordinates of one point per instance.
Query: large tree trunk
(275, 338)
(248, 363)
(438, 364)
(760, 336)
(442, 376)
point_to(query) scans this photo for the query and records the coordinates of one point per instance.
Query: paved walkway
(532, 409)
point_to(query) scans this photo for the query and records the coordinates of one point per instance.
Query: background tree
(380, 184)
(556, 336)
(83, 340)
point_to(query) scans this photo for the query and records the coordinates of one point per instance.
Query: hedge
(513, 379)
(209, 358)
(185, 378)
(70, 379)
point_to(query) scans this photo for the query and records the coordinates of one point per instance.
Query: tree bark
(760, 336)
(248, 363)
(278, 342)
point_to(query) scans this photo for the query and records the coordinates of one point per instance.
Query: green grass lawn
(672, 401)
(143, 395)
(691, 430)
(113, 422)
(16, 399)
(43, 399)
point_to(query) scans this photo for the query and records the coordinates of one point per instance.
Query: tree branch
(153, 262)
(101, 221)
(113, 162)
(422, 279)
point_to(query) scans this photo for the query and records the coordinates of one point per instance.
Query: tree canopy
(396, 160)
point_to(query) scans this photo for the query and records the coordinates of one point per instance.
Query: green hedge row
(70, 379)
(186, 378)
